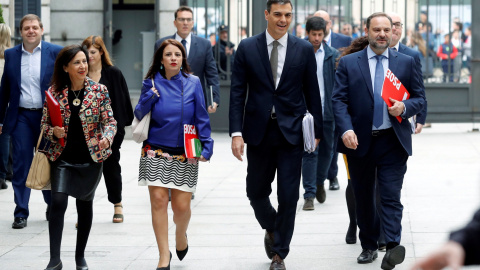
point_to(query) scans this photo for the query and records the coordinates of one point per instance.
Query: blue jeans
(315, 165)
(4, 154)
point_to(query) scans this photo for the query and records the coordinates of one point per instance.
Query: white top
(319, 57)
(188, 39)
(30, 92)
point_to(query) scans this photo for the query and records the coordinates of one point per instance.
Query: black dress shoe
(367, 256)
(181, 253)
(168, 266)
(277, 263)
(19, 223)
(351, 237)
(3, 184)
(393, 257)
(47, 213)
(320, 194)
(268, 243)
(81, 264)
(59, 266)
(334, 184)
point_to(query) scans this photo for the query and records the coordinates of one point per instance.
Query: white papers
(308, 133)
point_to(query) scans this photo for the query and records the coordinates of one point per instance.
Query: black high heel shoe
(83, 265)
(168, 266)
(59, 266)
(181, 253)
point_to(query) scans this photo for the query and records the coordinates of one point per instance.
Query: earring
(161, 67)
(181, 67)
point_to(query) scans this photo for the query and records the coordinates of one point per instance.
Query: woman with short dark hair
(88, 129)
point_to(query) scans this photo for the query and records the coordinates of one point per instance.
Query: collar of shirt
(39, 47)
(371, 53)
(188, 39)
(283, 40)
(328, 38)
(397, 46)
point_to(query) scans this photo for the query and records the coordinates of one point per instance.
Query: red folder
(55, 114)
(393, 88)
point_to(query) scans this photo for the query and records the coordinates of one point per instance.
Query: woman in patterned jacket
(88, 128)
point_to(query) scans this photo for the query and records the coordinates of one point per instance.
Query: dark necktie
(377, 93)
(394, 48)
(274, 62)
(184, 43)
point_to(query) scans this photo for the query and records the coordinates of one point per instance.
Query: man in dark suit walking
(375, 143)
(315, 164)
(401, 48)
(274, 82)
(27, 74)
(337, 41)
(199, 54)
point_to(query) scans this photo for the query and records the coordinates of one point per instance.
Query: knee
(181, 207)
(159, 200)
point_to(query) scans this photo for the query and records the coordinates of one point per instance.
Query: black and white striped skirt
(158, 168)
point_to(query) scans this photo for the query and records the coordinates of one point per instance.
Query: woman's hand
(104, 143)
(59, 132)
(202, 159)
(155, 91)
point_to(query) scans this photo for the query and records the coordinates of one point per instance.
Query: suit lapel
(365, 69)
(43, 66)
(291, 53)
(392, 61)
(87, 97)
(193, 49)
(17, 65)
(263, 52)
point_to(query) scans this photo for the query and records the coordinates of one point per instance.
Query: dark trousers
(333, 169)
(112, 172)
(275, 155)
(315, 165)
(24, 139)
(5, 164)
(387, 160)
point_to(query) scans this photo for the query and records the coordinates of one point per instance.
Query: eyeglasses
(398, 25)
(184, 19)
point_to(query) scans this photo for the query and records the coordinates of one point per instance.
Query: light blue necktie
(377, 93)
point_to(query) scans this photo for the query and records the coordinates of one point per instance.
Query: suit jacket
(353, 99)
(331, 55)
(117, 88)
(96, 116)
(253, 92)
(340, 40)
(422, 116)
(202, 64)
(11, 80)
(468, 238)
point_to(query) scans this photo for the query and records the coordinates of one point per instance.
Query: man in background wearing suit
(337, 41)
(401, 48)
(315, 165)
(273, 84)
(376, 145)
(27, 74)
(199, 54)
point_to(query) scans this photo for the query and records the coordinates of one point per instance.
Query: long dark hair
(60, 78)
(158, 56)
(357, 44)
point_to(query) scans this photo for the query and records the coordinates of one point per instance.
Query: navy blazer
(353, 99)
(331, 55)
(422, 116)
(202, 64)
(340, 40)
(11, 80)
(253, 92)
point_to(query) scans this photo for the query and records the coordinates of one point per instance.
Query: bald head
(396, 28)
(324, 15)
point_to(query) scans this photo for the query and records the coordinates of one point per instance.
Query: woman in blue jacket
(176, 99)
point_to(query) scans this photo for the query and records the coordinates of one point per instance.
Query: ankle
(80, 261)
(53, 262)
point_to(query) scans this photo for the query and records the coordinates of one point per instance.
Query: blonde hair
(5, 40)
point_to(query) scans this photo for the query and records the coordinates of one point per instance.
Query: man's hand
(228, 51)
(450, 254)
(212, 108)
(350, 140)
(418, 129)
(237, 147)
(397, 107)
(317, 141)
(1, 129)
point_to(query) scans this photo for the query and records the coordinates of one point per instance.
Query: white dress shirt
(319, 57)
(188, 39)
(372, 63)
(328, 38)
(30, 92)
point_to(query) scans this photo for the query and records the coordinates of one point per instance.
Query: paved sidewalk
(441, 192)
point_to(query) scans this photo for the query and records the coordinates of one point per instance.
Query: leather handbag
(39, 174)
(140, 128)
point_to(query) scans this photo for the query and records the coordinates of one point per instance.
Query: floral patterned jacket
(96, 116)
